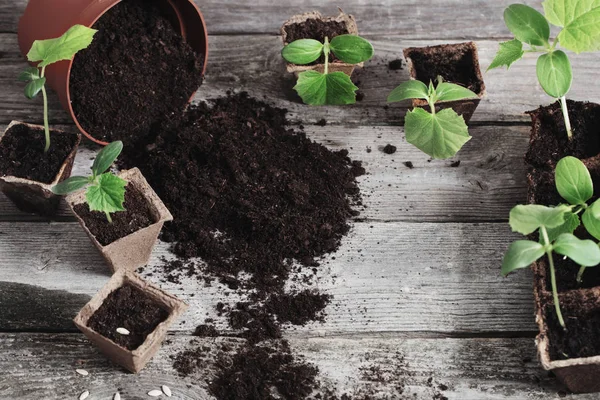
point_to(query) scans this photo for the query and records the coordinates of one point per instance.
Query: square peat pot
(456, 63)
(132, 360)
(134, 250)
(348, 24)
(31, 195)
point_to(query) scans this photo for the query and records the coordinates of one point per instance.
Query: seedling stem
(548, 247)
(46, 124)
(565, 111)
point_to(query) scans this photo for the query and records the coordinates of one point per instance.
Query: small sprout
(580, 33)
(123, 331)
(106, 191)
(331, 88)
(47, 52)
(556, 226)
(438, 134)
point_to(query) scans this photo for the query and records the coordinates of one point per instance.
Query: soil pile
(137, 72)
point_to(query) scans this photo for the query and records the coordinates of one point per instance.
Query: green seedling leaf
(591, 221)
(582, 34)
(70, 185)
(49, 51)
(584, 252)
(563, 12)
(303, 51)
(527, 24)
(571, 223)
(508, 53)
(554, 73)
(439, 135)
(351, 49)
(34, 87)
(108, 195)
(573, 181)
(106, 157)
(450, 92)
(30, 74)
(408, 90)
(334, 88)
(521, 254)
(526, 219)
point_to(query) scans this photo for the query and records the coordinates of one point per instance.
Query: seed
(117, 396)
(166, 390)
(84, 395)
(82, 372)
(154, 393)
(123, 331)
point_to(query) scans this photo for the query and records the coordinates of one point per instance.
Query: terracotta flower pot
(346, 19)
(32, 196)
(447, 57)
(44, 19)
(132, 360)
(132, 251)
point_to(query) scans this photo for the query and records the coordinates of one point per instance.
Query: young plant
(331, 88)
(47, 52)
(106, 191)
(580, 23)
(439, 134)
(556, 225)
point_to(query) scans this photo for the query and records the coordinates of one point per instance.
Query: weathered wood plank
(408, 18)
(398, 277)
(488, 182)
(253, 63)
(39, 366)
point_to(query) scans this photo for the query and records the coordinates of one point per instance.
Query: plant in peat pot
(128, 319)
(439, 134)
(125, 239)
(580, 23)
(331, 88)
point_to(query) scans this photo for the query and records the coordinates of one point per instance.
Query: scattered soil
(455, 63)
(137, 71)
(389, 149)
(321, 122)
(549, 142)
(455, 164)
(127, 307)
(22, 153)
(298, 309)
(566, 276)
(395, 65)
(137, 216)
(315, 29)
(408, 164)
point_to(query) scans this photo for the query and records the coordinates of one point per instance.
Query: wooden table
(416, 284)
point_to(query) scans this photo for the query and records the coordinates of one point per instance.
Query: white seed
(154, 393)
(166, 390)
(84, 395)
(82, 372)
(117, 396)
(123, 331)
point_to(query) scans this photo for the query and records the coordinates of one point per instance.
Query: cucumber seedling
(438, 134)
(47, 52)
(556, 225)
(105, 191)
(580, 32)
(331, 88)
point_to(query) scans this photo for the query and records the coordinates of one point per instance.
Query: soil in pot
(550, 143)
(137, 71)
(566, 276)
(455, 65)
(130, 308)
(137, 215)
(22, 153)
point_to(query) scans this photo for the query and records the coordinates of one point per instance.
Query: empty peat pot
(455, 63)
(142, 204)
(143, 310)
(26, 175)
(312, 25)
(45, 19)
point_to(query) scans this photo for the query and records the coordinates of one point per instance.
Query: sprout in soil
(580, 33)
(439, 134)
(332, 88)
(556, 226)
(106, 191)
(47, 52)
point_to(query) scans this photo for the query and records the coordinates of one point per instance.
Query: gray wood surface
(416, 283)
